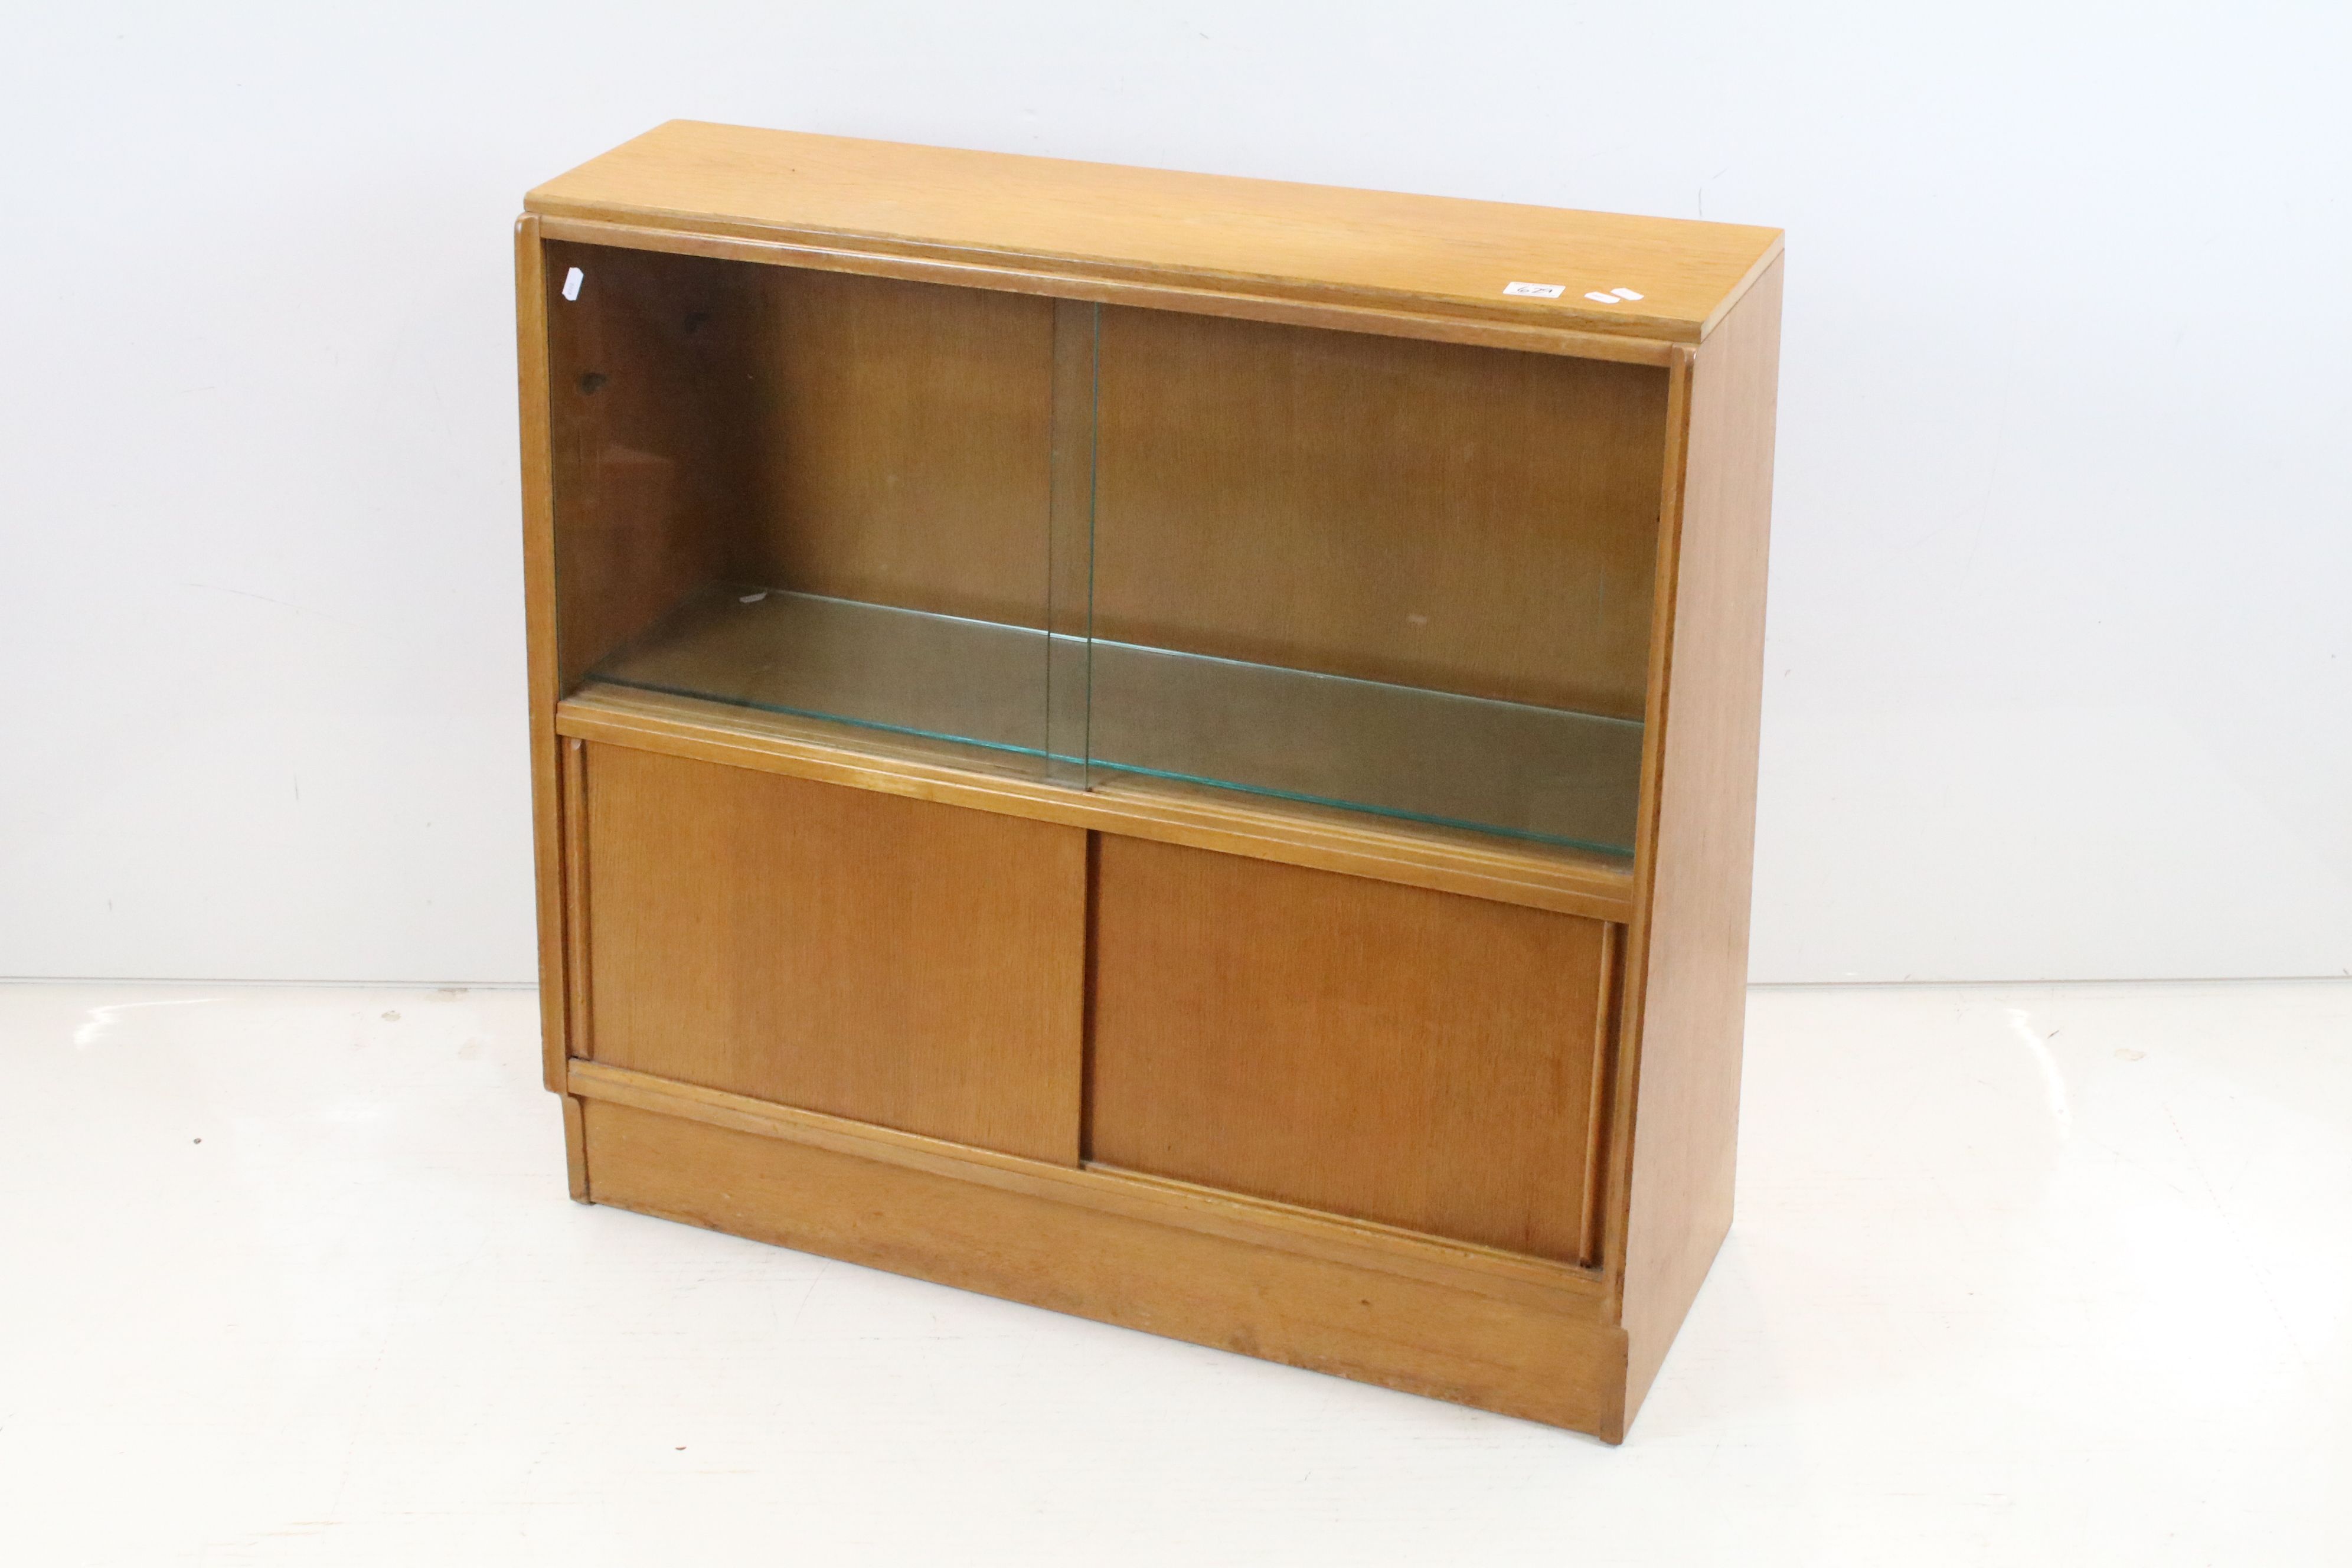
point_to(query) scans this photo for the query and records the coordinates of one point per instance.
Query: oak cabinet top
(1663, 278)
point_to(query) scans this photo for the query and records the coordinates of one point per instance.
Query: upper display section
(1659, 279)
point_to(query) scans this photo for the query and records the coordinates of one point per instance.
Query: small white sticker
(1535, 291)
(751, 598)
(1625, 294)
(572, 281)
(1597, 298)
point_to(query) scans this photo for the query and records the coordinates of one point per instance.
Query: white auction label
(1537, 290)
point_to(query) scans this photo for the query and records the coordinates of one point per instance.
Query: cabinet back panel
(1471, 520)
(901, 442)
(866, 955)
(858, 437)
(1389, 1053)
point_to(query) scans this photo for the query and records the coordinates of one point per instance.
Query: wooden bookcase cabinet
(1174, 747)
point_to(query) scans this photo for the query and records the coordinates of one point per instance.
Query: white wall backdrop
(2061, 646)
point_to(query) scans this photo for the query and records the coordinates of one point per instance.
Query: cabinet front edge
(1590, 886)
(1215, 294)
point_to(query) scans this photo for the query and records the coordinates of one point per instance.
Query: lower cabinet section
(891, 961)
(1326, 1119)
(1384, 1052)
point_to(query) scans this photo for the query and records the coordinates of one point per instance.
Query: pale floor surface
(2020, 1275)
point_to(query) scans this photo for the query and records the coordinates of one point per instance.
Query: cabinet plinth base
(1560, 1366)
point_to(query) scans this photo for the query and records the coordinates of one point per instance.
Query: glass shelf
(1086, 707)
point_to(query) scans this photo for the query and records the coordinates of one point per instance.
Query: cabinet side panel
(890, 961)
(1694, 972)
(539, 640)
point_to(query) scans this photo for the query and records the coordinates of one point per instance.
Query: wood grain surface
(1014, 274)
(901, 443)
(1395, 1054)
(1469, 519)
(542, 677)
(847, 952)
(1553, 1366)
(1692, 976)
(1532, 1281)
(1299, 241)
